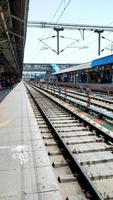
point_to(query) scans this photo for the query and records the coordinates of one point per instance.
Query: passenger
(8, 83)
(1, 86)
(12, 83)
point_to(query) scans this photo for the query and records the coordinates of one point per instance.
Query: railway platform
(25, 170)
(3, 94)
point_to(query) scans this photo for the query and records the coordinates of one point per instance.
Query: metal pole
(58, 42)
(99, 43)
(57, 30)
(99, 40)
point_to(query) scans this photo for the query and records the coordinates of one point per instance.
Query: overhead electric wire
(105, 48)
(57, 10)
(69, 38)
(52, 19)
(47, 45)
(53, 36)
(65, 7)
(72, 52)
(67, 55)
(63, 11)
(69, 46)
(60, 14)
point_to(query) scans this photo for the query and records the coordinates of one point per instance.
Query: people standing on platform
(8, 84)
(12, 83)
(1, 86)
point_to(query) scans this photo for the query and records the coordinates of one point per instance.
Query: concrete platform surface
(25, 170)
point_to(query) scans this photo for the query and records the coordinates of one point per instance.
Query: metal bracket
(82, 33)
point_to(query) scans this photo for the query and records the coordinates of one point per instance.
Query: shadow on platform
(5, 92)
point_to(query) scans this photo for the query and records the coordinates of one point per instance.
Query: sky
(97, 12)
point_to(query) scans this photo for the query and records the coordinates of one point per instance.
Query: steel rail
(98, 130)
(71, 93)
(104, 114)
(93, 97)
(76, 168)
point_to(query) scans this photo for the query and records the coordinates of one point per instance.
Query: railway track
(87, 150)
(99, 106)
(95, 96)
(69, 187)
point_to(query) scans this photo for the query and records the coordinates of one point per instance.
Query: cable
(68, 46)
(87, 43)
(47, 45)
(56, 11)
(72, 52)
(53, 36)
(51, 21)
(54, 17)
(60, 14)
(106, 48)
(68, 38)
(63, 11)
(65, 7)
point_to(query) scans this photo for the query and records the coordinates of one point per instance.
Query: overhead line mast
(80, 27)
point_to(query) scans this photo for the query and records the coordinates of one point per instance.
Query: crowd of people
(7, 84)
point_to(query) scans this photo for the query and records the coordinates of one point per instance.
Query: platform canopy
(102, 61)
(13, 23)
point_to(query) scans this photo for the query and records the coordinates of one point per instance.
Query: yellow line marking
(5, 123)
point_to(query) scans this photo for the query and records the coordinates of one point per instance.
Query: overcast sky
(97, 12)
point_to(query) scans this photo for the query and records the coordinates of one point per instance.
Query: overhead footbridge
(47, 68)
(39, 67)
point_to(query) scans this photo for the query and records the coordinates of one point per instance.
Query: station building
(97, 71)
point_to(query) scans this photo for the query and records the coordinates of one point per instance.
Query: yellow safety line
(5, 123)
